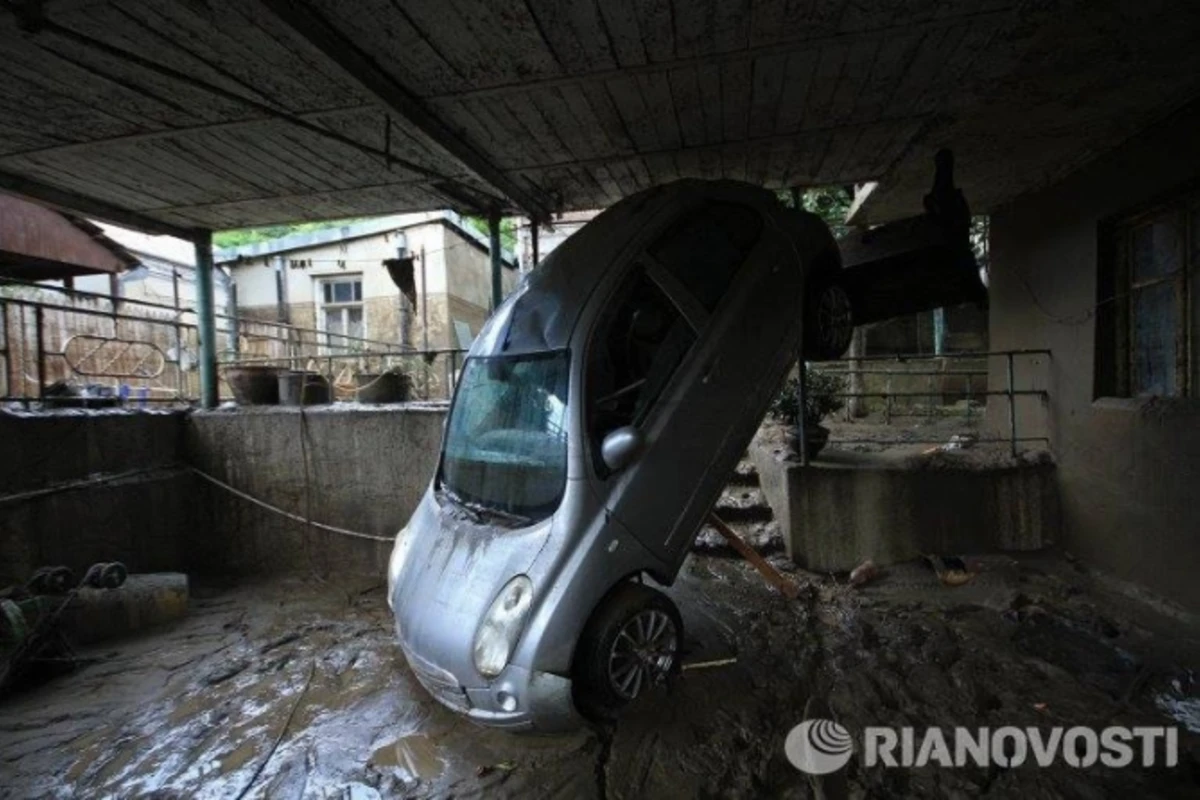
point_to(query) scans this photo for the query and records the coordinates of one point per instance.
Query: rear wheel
(630, 644)
(828, 319)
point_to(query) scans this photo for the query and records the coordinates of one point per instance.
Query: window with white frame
(340, 311)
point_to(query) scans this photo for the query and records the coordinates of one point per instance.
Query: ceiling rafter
(311, 27)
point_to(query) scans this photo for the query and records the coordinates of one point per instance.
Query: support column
(497, 263)
(533, 239)
(206, 322)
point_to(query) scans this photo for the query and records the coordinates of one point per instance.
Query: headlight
(396, 561)
(502, 626)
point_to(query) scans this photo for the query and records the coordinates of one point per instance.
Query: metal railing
(142, 351)
(898, 402)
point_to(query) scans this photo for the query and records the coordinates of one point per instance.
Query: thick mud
(295, 689)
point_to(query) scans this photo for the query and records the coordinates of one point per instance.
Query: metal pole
(801, 429)
(39, 338)
(533, 238)
(206, 323)
(494, 249)
(1012, 407)
(178, 336)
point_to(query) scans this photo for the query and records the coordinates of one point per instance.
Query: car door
(681, 355)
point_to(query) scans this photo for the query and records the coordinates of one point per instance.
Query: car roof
(541, 314)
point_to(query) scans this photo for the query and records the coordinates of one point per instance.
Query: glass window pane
(1156, 248)
(327, 288)
(343, 292)
(333, 321)
(358, 290)
(354, 321)
(1155, 322)
(636, 351)
(705, 249)
(506, 440)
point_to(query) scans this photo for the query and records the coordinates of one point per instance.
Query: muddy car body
(597, 417)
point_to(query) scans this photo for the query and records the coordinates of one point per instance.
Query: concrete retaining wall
(143, 514)
(367, 470)
(834, 516)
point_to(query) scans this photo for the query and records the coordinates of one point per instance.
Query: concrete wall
(146, 519)
(836, 515)
(1128, 469)
(367, 470)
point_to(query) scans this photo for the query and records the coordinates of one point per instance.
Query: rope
(295, 517)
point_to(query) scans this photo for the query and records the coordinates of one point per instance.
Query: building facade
(337, 282)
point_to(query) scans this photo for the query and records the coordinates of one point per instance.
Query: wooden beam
(333, 45)
(88, 206)
(786, 587)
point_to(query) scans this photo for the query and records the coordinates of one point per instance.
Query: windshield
(506, 441)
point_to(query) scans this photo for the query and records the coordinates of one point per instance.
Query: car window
(705, 248)
(635, 350)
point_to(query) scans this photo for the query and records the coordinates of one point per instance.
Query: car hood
(453, 571)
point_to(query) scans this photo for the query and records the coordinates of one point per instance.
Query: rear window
(705, 248)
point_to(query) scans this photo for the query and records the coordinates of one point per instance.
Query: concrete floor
(295, 689)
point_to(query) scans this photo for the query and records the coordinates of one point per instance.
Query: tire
(631, 642)
(828, 319)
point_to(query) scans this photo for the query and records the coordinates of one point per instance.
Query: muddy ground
(296, 689)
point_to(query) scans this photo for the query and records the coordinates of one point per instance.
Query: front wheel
(631, 643)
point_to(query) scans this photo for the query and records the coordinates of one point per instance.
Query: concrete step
(744, 474)
(740, 503)
(765, 537)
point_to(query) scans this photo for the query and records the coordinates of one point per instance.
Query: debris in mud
(718, 662)
(952, 570)
(864, 573)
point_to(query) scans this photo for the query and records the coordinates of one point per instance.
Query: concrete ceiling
(178, 114)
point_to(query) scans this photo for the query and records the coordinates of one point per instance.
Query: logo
(821, 746)
(818, 746)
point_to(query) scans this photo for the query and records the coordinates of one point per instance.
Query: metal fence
(952, 384)
(138, 351)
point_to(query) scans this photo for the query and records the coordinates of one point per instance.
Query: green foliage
(508, 231)
(830, 203)
(244, 236)
(820, 401)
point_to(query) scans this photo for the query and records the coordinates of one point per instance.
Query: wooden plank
(785, 586)
(767, 21)
(730, 27)
(541, 140)
(689, 106)
(895, 54)
(797, 83)
(657, 25)
(708, 78)
(736, 89)
(766, 91)
(393, 36)
(860, 58)
(623, 31)
(589, 134)
(817, 112)
(634, 116)
(575, 33)
(608, 117)
(656, 94)
(508, 35)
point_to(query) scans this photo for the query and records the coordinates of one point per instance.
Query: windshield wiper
(477, 510)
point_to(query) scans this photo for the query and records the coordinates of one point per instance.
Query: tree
(244, 236)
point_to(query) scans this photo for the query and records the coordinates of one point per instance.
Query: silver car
(597, 417)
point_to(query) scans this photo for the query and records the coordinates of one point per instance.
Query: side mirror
(621, 447)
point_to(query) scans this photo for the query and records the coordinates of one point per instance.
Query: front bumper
(542, 700)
